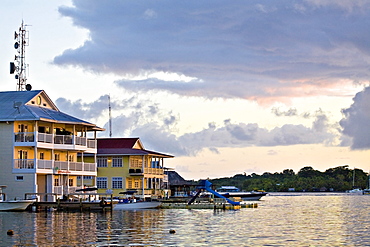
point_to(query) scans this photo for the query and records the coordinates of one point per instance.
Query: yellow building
(124, 165)
(39, 146)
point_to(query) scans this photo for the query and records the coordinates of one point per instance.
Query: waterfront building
(125, 166)
(40, 145)
(179, 186)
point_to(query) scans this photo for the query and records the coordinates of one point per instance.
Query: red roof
(116, 142)
(124, 146)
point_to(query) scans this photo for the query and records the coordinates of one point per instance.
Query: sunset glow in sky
(227, 87)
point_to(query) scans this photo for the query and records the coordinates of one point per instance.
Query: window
(102, 183)
(117, 162)
(71, 158)
(39, 100)
(129, 183)
(56, 182)
(56, 157)
(117, 183)
(136, 162)
(18, 178)
(41, 156)
(136, 184)
(22, 128)
(85, 177)
(22, 154)
(102, 162)
(70, 182)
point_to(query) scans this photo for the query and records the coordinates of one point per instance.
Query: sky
(227, 87)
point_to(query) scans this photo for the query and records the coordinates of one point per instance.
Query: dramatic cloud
(259, 50)
(154, 127)
(356, 123)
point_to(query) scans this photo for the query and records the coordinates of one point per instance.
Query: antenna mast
(110, 118)
(19, 65)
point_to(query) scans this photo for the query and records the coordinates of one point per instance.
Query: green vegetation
(307, 179)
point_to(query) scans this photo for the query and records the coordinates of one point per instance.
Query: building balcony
(151, 171)
(44, 140)
(54, 167)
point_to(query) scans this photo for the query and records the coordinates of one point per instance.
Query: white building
(40, 146)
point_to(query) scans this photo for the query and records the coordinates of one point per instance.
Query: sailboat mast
(353, 178)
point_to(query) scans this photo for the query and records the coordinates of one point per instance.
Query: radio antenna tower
(110, 117)
(19, 66)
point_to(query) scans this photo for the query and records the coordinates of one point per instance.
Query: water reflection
(308, 220)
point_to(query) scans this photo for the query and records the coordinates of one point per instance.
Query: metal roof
(124, 146)
(13, 107)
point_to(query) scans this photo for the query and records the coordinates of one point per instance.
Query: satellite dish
(16, 45)
(28, 87)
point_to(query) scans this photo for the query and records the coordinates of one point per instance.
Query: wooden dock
(74, 202)
(72, 206)
(206, 203)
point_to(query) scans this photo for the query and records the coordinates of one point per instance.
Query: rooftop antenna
(19, 66)
(110, 118)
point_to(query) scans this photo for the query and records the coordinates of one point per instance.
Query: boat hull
(136, 205)
(248, 196)
(20, 205)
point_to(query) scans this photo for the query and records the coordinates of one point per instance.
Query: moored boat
(232, 191)
(355, 191)
(137, 205)
(19, 205)
(12, 205)
(130, 202)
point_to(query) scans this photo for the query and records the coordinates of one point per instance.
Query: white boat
(136, 205)
(12, 205)
(19, 205)
(232, 191)
(355, 191)
(130, 202)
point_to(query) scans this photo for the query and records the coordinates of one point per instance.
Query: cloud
(236, 135)
(288, 113)
(155, 125)
(356, 121)
(90, 111)
(258, 50)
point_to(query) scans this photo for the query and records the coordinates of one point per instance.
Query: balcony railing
(43, 137)
(155, 171)
(54, 139)
(62, 166)
(25, 137)
(24, 164)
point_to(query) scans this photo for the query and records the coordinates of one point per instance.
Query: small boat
(136, 205)
(131, 203)
(15, 205)
(12, 205)
(232, 191)
(366, 192)
(355, 191)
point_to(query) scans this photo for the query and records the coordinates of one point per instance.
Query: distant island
(338, 179)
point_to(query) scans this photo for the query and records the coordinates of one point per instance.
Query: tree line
(307, 179)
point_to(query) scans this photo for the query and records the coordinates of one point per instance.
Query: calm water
(280, 220)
